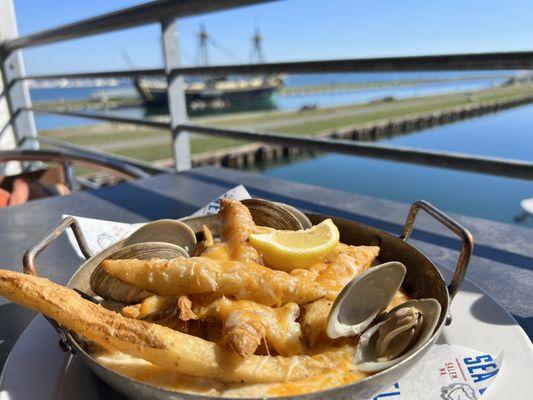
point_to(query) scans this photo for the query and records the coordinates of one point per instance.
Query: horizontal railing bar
(457, 161)
(102, 117)
(130, 73)
(86, 183)
(130, 17)
(61, 155)
(146, 166)
(463, 62)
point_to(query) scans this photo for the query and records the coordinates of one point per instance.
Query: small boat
(527, 205)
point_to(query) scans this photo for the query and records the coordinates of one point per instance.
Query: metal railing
(166, 11)
(457, 62)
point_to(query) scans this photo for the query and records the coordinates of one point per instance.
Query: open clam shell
(112, 288)
(304, 221)
(361, 300)
(404, 330)
(276, 215)
(165, 230)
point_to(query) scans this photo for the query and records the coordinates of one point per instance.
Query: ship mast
(203, 57)
(257, 50)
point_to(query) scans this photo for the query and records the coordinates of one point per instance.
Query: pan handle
(31, 269)
(54, 233)
(465, 236)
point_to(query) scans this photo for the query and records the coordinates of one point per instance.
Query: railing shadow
(145, 202)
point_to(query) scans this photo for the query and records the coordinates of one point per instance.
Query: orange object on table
(4, 198)
(20, 192)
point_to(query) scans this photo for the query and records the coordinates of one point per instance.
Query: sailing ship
(214, 93)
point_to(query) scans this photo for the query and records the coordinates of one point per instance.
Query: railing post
(176, 95)
(15, 123)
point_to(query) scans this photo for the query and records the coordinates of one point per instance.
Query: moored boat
(212, 93)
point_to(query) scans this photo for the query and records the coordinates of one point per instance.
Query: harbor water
(506, 134)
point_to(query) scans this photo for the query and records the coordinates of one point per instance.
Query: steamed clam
(385, 339)
(112, 288)
(404, 330)
(276, 215)
(167, 231)
(159, 239)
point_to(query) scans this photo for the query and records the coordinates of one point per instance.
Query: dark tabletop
(502, 264)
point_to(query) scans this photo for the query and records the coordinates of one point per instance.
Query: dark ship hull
(218, 96)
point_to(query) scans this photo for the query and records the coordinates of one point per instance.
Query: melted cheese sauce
(277, 326)
(146, 372)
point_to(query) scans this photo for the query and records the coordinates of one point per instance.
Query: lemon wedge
(288, 250)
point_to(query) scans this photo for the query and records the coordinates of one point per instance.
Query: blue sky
(292, 30)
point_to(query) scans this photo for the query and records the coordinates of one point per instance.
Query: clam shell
(304, 221)
(361, 300)
(366, 357)
(273, 215)
(112, 288)
(168, 231)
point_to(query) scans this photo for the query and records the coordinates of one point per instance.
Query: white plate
(38, 369)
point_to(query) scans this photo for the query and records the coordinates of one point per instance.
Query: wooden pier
(256, 154)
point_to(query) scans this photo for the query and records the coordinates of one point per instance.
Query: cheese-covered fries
(200, 275)
(247, 323)
(160, 345)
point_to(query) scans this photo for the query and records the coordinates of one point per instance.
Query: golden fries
(237, 222)
(162, 346)
(343, 265)
(314, 321)
(133, 311)
(197, 275)
(237, 225)
(156, 307)
(247, 323)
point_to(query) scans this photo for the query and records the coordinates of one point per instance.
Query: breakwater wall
(254, 154)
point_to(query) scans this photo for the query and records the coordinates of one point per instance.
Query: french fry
(345, 263)
(237, 225)
(197, 275)
(206, 243)
(185, 307)
(242, 333)
(314, 321)
(160, 345)
(155, 307)
(237, 222)
(246, 323)
(133, 311)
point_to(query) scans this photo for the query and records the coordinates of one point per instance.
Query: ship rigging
(220, 93)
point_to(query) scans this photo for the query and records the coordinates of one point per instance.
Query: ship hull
(208, 100)
(158, 97)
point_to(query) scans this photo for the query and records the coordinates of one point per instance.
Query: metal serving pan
(422, 280)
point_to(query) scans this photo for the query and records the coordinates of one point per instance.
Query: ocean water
(505, 134)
